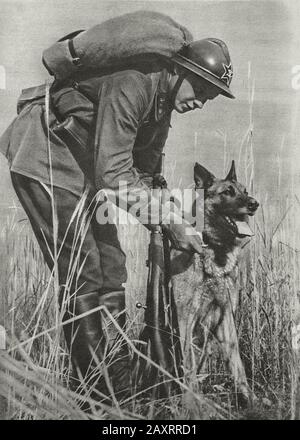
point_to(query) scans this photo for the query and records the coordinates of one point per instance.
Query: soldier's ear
(202, 177)
(232, 174)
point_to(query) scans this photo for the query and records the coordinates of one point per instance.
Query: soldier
(123, 118)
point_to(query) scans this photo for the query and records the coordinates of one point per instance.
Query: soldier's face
(193, 94)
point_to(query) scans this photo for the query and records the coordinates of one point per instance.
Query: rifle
(161, 333)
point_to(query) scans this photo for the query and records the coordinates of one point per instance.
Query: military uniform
(100, 131)
(127, 117)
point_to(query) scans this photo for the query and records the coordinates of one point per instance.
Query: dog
(206, 286)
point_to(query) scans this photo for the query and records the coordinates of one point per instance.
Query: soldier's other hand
(159, 181)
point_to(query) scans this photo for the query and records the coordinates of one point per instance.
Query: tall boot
(118, 356)
(95, 344)
(85, 340)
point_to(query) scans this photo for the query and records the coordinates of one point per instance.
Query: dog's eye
(229, 191)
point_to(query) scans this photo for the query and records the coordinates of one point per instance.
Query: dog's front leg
(227, 337)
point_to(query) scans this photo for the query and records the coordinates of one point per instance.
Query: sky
(263, 39)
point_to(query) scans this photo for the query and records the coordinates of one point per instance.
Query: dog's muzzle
(252, 206)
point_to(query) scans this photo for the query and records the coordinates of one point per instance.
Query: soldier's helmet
(208, 58)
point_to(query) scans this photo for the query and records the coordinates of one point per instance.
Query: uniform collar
(161, 100)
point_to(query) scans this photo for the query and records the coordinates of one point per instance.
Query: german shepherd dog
(206, 286)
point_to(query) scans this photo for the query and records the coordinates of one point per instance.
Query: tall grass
(34, 375)
(34, 370)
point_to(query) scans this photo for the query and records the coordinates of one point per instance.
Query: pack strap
(75, 58)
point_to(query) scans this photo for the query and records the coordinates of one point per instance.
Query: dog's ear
(232, 174)
(202, 177)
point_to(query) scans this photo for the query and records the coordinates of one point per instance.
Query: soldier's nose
(198, 104)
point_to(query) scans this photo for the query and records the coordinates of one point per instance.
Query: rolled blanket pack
(115, 41)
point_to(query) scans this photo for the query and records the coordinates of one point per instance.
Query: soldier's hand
(184, 237)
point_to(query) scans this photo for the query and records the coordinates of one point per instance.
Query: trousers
(89, 254)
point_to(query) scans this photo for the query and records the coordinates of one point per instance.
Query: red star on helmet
(228, 73)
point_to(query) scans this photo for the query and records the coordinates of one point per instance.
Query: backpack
(115, 43)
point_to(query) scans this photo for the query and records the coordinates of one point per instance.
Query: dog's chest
(202, 282)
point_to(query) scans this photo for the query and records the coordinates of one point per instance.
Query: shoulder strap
(29, 95)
